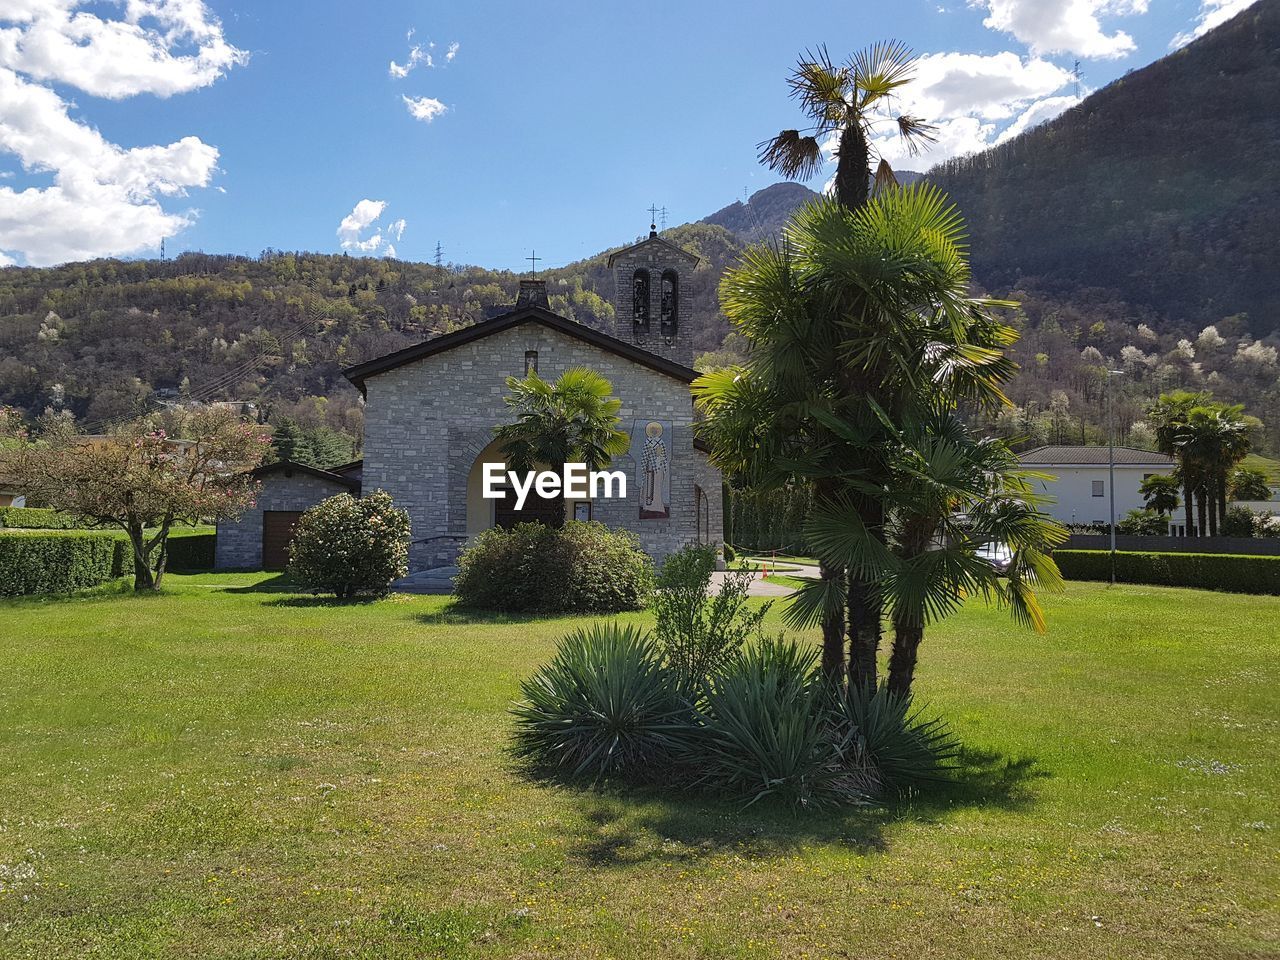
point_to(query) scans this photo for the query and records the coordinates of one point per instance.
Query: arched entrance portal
(483, 513)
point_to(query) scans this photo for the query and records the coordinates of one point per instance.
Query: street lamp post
(1111, 466)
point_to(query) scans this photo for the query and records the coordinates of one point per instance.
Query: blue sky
(234, 126)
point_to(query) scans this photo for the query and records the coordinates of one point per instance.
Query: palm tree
(1169, 417)
(573, 420)
(1249, 483)
(857, 323)
(1160, 493)
(1215, 438)
(951, 495)
(845, 102)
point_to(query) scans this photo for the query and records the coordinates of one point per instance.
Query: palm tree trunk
(832, 637)
(832, 623)
(853, 167)
(1222, 501)
(864, 633)
(902, 662)
(1200, 511)
(864, 609)
(1187, 507)
(1211, 496)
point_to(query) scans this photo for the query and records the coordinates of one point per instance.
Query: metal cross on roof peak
(653, 213)
(533, 259)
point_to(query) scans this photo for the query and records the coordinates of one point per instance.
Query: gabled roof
(289, 468)
(514, 318)
(346, 469)
(652, 239)
(1094, 456)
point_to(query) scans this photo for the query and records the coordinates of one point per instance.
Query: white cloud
(1063, 26)
(1213, 13)
(362, 217)
(994, 87)
(419, 56)
(55, 42)
(425, 109)
(103, 199)
(975, 101)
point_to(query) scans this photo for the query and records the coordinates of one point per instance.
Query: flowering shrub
(349, 547)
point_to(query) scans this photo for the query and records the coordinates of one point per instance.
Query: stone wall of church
(655, 258)
(428, 421)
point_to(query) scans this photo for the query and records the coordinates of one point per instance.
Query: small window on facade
(640, 299)
(670, 303)
(1097, 488)
(582, 510)
(530, 362)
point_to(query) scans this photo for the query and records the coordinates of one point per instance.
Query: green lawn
(230, 770)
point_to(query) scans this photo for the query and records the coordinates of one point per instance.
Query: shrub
(37, 518)
(582, 567)
(348, 546)
(764, 732)
(34, 563)
(730, 554)
(1239, 522)
(1143, 523)
(1233, 573)
(697, 633)
(900, 744)
(605, 704)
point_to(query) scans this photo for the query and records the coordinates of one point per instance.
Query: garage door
(277, 535)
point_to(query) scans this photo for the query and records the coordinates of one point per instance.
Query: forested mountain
(1138, 232)
(108, 338)
(1161, 190)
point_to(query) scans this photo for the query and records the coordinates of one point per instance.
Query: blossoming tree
(143, 479)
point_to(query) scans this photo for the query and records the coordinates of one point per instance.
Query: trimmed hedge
(1229, 572)
(64, 561)
(57, 562)
(36, 518)
(189, 551)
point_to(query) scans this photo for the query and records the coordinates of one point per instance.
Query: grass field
(231, 770)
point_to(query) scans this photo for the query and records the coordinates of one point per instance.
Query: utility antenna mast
(439, 256)
(663, 218)
(1075, 76)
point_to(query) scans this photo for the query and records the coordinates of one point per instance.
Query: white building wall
(1072, 490)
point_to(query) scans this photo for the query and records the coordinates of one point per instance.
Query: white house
(1079, 490)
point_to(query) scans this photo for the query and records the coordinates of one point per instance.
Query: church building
(431, 410)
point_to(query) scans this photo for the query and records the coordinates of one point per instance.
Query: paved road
(762, 588)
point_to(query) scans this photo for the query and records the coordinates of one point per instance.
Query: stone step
(436, 580)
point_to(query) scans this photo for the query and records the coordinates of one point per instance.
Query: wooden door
(277, 537)
(536, 510)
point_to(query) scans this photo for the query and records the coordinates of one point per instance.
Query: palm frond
(880, 69)
(794, 156)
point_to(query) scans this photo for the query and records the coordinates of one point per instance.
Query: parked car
(998, 555)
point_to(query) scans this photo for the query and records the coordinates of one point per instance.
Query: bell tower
(651, 297)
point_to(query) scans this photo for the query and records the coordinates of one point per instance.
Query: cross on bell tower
(533, 259)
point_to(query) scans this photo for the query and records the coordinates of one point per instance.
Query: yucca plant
(763, 732)
(904, 747)
(604, 705)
